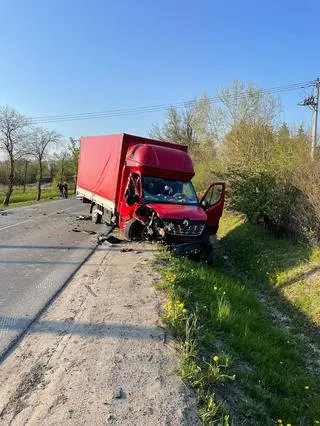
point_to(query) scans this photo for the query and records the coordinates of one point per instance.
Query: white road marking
(32, 220)
(34, 205)
(16, 224)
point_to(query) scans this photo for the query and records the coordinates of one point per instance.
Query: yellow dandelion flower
(289, 424)
(279, 421)
(216, 358)
(306, 387)
(215, 288)
(184, 310)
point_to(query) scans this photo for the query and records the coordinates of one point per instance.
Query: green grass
(18, 197)
(288, 272)
(241, 360)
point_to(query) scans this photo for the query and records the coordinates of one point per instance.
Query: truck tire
(209, 254)
(95, 216)
(208, 251)
(133, 230)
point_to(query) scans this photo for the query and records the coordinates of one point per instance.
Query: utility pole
(315, 117)
(313, 103)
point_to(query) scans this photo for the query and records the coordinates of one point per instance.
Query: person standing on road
(65, 190)
(60, 186)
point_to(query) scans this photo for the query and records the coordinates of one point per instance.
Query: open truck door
(212, 202)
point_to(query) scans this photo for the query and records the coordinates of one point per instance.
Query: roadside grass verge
(288, 273)
(246, 367)
(19, 197)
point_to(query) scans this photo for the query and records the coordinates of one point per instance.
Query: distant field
(20, 197)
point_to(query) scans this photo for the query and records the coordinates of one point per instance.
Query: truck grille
(194, 229)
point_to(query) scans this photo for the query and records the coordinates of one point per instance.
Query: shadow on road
(32, 247)
(103, 247)
(69, 326)
(41, 262)
(22, 326)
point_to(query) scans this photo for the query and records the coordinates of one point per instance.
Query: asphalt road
(39, 251)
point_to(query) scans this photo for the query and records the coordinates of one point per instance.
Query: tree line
(267, 165)
(32, 154)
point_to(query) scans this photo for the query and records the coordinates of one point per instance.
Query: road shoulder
(98, 355)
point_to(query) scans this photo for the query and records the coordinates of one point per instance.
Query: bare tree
(175, 127)
(13, 130)
(39, 142)
(192, 125)
(244, 103)
(61, 161)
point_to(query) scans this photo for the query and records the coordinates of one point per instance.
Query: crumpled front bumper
(191, 248)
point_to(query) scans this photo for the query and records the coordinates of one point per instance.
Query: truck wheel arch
(133, 230)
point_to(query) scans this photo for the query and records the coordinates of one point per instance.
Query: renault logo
(185, 223)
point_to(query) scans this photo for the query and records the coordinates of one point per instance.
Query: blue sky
(73, 56)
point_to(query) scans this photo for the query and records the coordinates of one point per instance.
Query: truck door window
(136, 182)
(213, 195)
(133, 190)
(133, 185)
(130, 190)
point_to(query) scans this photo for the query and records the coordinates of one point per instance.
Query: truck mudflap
(192, 248)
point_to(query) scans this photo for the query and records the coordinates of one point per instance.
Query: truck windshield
(159, 190)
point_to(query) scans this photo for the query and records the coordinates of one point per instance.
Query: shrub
(269, 197)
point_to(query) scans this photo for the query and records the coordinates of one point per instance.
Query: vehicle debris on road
(85, 231)
(82, 217)
(109, 238)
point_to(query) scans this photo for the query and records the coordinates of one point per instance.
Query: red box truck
(144, 187)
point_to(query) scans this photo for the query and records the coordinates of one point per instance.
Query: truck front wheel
(208, 251)
(134, 230)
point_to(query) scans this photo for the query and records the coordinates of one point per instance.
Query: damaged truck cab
(144, 187)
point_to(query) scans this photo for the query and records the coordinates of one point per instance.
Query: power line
(275, 89)
(123, 112)
(147, 109)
